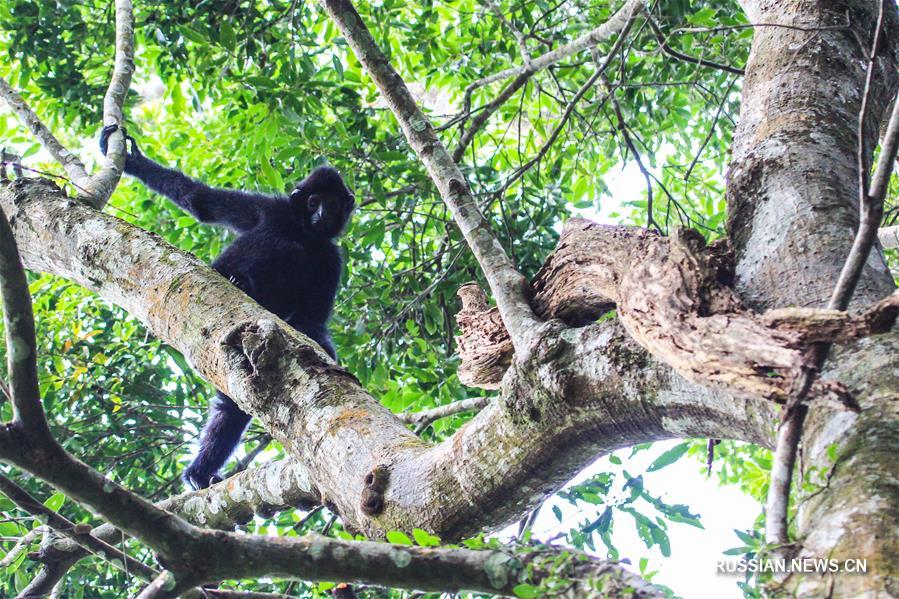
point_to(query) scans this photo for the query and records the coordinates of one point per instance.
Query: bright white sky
(690, 571)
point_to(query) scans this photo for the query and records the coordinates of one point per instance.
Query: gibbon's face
(323, 202)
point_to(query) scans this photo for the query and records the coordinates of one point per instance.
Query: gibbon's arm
(237, 210)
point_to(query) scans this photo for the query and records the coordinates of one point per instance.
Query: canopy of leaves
(253, 94)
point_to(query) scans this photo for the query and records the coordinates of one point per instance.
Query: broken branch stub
(673, 295)
(484, 345)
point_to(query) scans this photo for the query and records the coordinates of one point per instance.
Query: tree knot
(258, 345)
(373, 492)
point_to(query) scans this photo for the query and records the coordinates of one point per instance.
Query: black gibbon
(284, 257)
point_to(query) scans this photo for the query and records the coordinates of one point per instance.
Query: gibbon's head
(323, 203)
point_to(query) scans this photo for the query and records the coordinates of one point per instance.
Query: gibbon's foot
(198, 479)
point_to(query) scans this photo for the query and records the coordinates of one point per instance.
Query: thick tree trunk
(793, 210)
(792, 187)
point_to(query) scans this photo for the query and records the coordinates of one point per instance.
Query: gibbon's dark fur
(284, 257)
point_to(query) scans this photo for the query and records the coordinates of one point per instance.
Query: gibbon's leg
(220, 436)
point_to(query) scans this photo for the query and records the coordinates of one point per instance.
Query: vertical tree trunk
(793, 210)
(792, 188)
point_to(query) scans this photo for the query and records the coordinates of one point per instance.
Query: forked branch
(104, 182)
(70, 162)
(583, 42)
(94, 189)
(616, 24)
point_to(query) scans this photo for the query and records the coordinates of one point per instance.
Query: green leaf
(227, 36)
(527, 591)
(177, 96)
(55, 501)
(398, 538)
(424, 538)
(661, 538)
(669, 457)
(747, 538)
(272, 176)
(194, 35)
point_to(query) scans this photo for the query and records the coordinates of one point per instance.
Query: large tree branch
(422, 568)
(267, 489)
(870, 214)
(340, 433)
(196, 556)
(670, 296)
(79, 534)
(506, 283)
(791, 200)
(21, 346)
(205, 556)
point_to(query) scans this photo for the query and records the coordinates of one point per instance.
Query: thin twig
(614, 24)
(242, 464)
(487, 111)
(20, 166)
(761, 25)
(521, 170)
(528, 523)
(519, 37)
(663, 43)
(625, 134)
(426, 417)
(21, 546)
(708, 136)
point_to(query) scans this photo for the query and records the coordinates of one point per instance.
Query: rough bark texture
(484, 344)
(673, 297)
(792, 201)
(793, 171)
(583, 392)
